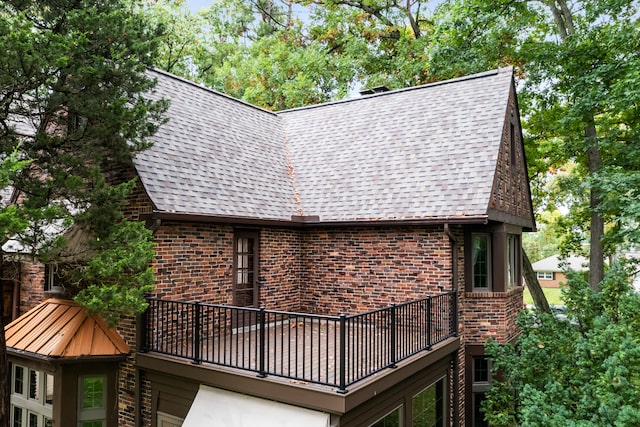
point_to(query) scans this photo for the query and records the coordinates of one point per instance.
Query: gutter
(311, 220)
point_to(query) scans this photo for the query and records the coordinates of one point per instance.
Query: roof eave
(315, 221)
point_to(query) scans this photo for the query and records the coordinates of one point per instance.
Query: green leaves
(74, 104)
(579, 371)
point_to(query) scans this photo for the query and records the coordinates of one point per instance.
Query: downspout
(454, 257)
(456, 361)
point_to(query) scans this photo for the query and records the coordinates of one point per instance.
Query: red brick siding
(358, 269)
(127, 400)
(194, 262)
(490, 315)
(31, 286)
(280, 269)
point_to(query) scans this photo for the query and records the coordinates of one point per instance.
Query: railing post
(261, 350)
(343, 354)
(454, 313)
(429, 321)
(196, 333)
(393, 340)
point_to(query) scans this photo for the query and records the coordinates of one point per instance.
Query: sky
(196, 5)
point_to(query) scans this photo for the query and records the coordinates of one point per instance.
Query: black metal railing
(337, 351)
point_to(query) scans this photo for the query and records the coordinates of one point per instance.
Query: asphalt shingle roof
(424, 152)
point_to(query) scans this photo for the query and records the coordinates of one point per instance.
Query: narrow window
(513, 261)
(481, 379)
(18, 379)
(481, 261)
(246, 269)
(92, 401)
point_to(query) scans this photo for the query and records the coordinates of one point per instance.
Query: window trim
(255, 235)
(92, 414)
(545, 275)
(513, 261)
(489, 262)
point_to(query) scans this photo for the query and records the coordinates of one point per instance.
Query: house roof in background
(428, 152)
(59, 328)
(556, 264)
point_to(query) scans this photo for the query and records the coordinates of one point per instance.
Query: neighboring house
(551, 271)
(340, 264)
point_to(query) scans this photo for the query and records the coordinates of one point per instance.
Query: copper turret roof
(59, 328)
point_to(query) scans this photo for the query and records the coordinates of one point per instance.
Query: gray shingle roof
(424, 152)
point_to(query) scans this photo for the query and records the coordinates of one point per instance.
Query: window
(545, 275)
(481, 261)
(92, 401)
(246, 269)
(429, 406)
(31, 397)
(514, 278)
(481, 379)
(166, 420)
(392, 419)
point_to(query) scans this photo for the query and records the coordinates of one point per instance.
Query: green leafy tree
(580, 371)
(73, 110)
(579, 61)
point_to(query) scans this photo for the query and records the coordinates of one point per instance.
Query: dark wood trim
(319, 398)
(471, 351)
(254, 236)
(308, 221)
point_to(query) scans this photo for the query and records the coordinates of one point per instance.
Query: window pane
(33, 420)
(48, 398)
(17, 416)
(481, 260)
(48, 422)
(18, 380)
(34, 384)
(428, 406)
(513, 252)
(480, 369)
(478, 416)
(94, 423)
(392, 419)
(92, 392)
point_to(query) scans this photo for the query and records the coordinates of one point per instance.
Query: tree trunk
(4, 363)
(531, 280)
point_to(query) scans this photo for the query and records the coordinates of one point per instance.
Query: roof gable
(427, 152)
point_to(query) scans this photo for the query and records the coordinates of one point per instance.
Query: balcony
(334, 351)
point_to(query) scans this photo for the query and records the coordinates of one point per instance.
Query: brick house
(339, 264)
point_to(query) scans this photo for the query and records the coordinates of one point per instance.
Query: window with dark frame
(481, 261)
(480, 382)
(245, 269)
(513, 261)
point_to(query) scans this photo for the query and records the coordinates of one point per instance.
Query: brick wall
(358, 269)
(31, 285)
(490, 315)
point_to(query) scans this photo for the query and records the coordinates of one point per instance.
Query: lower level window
(166, 420)
(92, 401)
(31, 397)
(429, 406)
(392, 419)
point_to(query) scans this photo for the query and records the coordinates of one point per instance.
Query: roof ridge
(210, 90)
(483, 74)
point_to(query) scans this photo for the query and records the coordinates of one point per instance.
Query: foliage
(579, 371)
(579, 62)
(72, 90)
